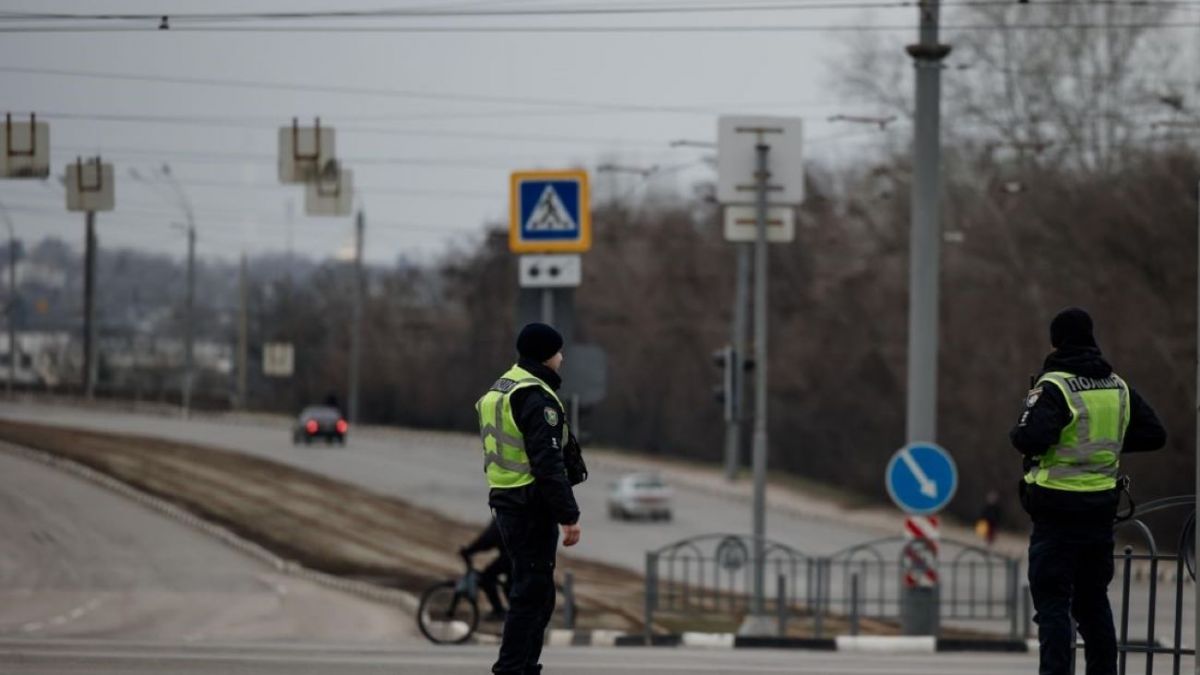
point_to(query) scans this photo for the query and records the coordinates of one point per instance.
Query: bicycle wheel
(446, 616)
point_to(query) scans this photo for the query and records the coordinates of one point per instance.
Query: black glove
(577, 471)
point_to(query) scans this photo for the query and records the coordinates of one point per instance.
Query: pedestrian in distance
(532, 461)
(1079, 419)
(989, 518)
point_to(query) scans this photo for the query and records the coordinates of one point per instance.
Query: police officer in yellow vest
(1079, 419)
(525, 434)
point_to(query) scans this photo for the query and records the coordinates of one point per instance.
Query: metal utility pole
(741, 300)
(243, 334)
(189, 319)
(356, 317)
(548, 306)
(13, 351)
(920, 606)
(926, 236)
(762, 176)
(1196, 541)
(89, 307)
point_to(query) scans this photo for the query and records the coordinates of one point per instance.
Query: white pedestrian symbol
(549, 214)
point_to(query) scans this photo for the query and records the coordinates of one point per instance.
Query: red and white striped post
(921, 553)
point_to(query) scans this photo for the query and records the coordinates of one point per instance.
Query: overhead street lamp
(182, 201)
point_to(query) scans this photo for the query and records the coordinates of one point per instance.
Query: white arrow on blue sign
(921, 478)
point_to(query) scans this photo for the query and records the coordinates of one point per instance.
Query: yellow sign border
(580, 245)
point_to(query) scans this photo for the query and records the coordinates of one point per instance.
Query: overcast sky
(449, 116)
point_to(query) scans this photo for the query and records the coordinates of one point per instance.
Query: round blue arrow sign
(921, 478)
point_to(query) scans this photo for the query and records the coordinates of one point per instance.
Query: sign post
(90, 188)
(921, 479)
(759, 162)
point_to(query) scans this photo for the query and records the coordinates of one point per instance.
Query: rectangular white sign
(741, 224)
(278, 359)
(90, 186)
(550, 271)
(737, 159)
(304, 151)
(335, 197)
(24, 149)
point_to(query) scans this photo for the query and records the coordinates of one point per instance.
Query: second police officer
(531, 461)
(1079, 419)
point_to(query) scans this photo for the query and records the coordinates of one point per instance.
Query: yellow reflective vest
(504, 459)
(1087, 456)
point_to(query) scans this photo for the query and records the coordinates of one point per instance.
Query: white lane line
(33, 626)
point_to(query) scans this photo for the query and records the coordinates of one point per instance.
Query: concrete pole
(356, 318)
(924, 268)
(189, 320)
(741, 301)
(14, 352)
(548, 306)
(243, 334)
(760, 381)
(926, 236)
(1196, 586)
(89, 307)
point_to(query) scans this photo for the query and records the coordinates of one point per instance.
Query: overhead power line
(219, 121)
(354, 90)
(595, 10)
(630, 29)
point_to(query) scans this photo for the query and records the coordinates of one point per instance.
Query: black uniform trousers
(531, 541)
(1070, 568)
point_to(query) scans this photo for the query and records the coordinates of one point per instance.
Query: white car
(639, 495)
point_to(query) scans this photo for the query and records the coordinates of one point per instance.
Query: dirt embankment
(320, 523)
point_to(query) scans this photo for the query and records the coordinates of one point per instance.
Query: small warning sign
(549, 212)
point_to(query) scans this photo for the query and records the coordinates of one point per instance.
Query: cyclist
(489, 577)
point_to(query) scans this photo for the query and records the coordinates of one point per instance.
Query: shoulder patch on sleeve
(1032, 397)
(551, 416)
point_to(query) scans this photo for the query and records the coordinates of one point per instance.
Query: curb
(875, 644)
(406, 601)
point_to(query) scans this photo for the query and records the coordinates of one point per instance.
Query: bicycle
(448, 613)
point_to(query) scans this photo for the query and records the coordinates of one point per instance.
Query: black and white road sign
(550, 271)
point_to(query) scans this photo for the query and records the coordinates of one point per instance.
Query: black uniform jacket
(551, 491)
(1045, 415)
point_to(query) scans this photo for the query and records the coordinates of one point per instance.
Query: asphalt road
(59, 658)
(443, 471)
(80, 561)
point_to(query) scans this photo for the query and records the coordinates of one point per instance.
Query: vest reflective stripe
(495, 429)
(506, 463)
(1087, 456)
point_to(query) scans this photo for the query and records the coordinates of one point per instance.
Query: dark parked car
(320, 421)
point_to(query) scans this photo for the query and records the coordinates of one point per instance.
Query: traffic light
(725, 392)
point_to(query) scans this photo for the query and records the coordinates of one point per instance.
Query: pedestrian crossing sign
(549, 212)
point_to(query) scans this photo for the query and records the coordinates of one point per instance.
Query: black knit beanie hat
(1072, 327)
(538, 342)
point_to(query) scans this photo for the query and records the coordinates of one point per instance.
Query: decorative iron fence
(1179, 566)
(710, 577)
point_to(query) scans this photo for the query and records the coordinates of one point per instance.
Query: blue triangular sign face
(550, 210)
(549, 213)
